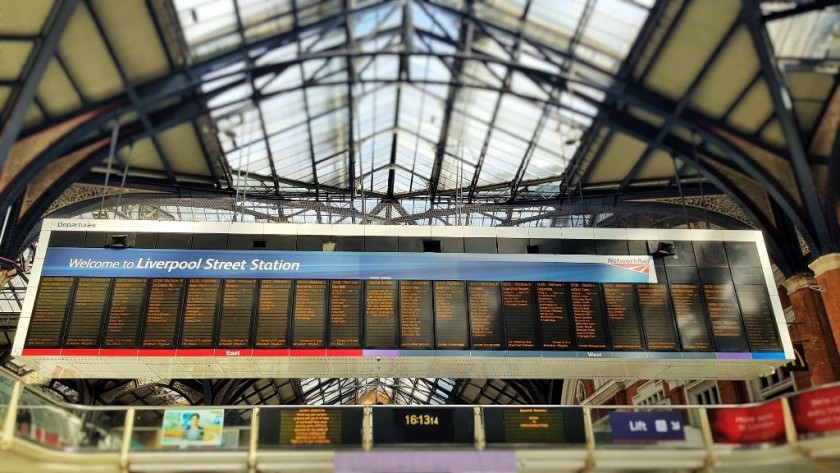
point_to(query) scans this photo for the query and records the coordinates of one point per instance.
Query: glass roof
(399, 98)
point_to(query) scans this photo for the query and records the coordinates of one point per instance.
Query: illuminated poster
(194, 427)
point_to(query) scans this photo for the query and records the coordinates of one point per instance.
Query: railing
(130, 433)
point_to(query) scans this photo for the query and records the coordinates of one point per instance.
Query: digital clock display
(430, 425)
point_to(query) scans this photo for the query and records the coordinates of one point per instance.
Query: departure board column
(725, 317)
(237, 306)
(416, 325)
(86, 312)
(127, 299)
(345, 305)
(200, 312)
(622, 316)
(691, 318)
(590, 328)
(486, 329)
(451, 328)
(517, 301)
(162, 313)
(657, 317)
(553, 315)
(309, 314)
(758, 317)
(381, 314)
(48, 314)
(273, 313)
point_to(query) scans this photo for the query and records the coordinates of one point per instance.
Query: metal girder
(799, 8)
(40, 57)
(351, 103)
(783, 106)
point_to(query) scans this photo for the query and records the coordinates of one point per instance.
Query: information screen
(86, 312)
(423, 425)
(162, 314)
(691, 318)
(758, 317)
(345, 305)
(588, 313)
(554, 315)
(657, 317)
(310, 427)
(534, 426)
(127, 300)
(486, 329)
(310, 313)
(518, 304)
(235, 320)
(200, 312)
(416, 324)
(381, 314)
(451, 329)
(725, 316)
(273, 313)
(622, 316)
(49, 312)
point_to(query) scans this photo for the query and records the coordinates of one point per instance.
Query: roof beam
(351, 102)
(39, 58)
(799, 9)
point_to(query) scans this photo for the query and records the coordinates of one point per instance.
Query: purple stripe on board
(367, 352)
(734, 356)
(423, 462)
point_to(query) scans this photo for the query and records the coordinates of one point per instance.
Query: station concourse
(527, 235)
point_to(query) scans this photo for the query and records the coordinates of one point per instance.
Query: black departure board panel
(657, 317)
(451, 328)
(622, 316)
(691, 318)
(128, 298)
(345, 305)
(416, 315)
(381, 314)
(758, 317)
(518, 304)
(310, 427)
(235, 319)
(49, 312)
(86, 312)
(725, 317)
(553, 310)
(200, 312)
(486, 329)
(162, 314)
(310, 313)
(423, 425)
(588, 316)
(273, 313)
(534, 425)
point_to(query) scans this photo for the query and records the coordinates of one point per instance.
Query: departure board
(725, 317)
(588, 316)
(381, 314)
(273, 313)
(451, 329)
(657, 317)
(518, 304)
(486, 329)
(622, 316)
(310, 426)
(86, 312)
(200, 312)
(416, 324)
(235, 318)
(162, 313)
(757, 314)
(691, 318)
(49, 312)
(423, 425)
(534, 425)
(310, 311)
(127, 299)
(554, 315)
(345, 305)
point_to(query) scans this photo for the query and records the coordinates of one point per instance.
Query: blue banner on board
(646, 426)
(147, 263)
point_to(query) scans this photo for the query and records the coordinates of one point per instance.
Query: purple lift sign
(640, 427)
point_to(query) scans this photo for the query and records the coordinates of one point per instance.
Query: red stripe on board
(118, 352)
(195, 352)
(344, 352)
(156, 352)
(80, 352)
(41, 352)
(235, 352)
(307, 352)
(270, 352)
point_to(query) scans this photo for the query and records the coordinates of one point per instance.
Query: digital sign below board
(534, 425)
(310, 427)
(423, 425)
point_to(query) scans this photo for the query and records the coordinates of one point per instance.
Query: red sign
(748, 425)
(816, 412)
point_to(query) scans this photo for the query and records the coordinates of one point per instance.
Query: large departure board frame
(267, 300)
